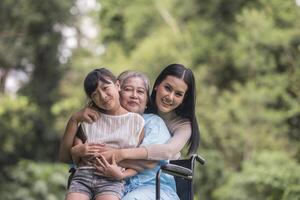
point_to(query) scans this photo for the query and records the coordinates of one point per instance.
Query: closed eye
(179, 94)
(141, 91)
(168, 88)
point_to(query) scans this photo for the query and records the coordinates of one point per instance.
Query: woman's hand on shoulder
(86, 114)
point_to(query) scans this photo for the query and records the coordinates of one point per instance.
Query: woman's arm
(74, 150)
(169, 150)
(88, 115)
(138, 165)
(67, 141)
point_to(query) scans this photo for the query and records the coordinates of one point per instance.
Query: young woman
(117, 128)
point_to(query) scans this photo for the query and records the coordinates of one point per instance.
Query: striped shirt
(117, 131)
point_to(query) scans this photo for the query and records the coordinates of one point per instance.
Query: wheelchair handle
(199, 159)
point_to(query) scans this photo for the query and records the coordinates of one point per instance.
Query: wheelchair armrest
(177, 170)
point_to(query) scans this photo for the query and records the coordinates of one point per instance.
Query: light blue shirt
(156, 132)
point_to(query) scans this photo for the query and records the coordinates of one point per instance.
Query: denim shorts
(85, 181)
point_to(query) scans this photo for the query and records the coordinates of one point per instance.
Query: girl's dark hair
(187, 108)
(91, 81)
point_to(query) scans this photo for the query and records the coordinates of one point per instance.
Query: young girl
(116, 127)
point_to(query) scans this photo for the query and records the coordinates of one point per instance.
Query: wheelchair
(183, 171)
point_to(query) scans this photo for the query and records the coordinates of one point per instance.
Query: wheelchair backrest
(184, 187)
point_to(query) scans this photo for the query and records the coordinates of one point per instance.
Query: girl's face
(170, 94)
(106, 96)
(134, 95)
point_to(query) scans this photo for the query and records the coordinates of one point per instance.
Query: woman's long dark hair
(187, 108)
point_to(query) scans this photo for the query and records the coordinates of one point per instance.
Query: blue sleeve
(155, 129)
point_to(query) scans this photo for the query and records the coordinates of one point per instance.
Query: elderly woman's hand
(104, 168)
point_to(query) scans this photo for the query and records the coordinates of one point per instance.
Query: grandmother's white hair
(130, 74)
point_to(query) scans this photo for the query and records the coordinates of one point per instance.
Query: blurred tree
(269, 175)
(34, 180)
(245, 55)
(31, 37)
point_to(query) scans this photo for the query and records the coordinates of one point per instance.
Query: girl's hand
(87, 114)
(108, 170)
(110, 152)
(87, 150)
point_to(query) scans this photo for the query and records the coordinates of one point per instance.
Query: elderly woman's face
(133, 95)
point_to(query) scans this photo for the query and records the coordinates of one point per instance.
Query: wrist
(74, 118)
(121, 154)
(73, 150)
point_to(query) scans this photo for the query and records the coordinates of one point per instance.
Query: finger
(113, 159)
(90, 150)
(98, 145)
(93, 114)
(99, 173)
(88, 119)
(103, 160)
(98, 169)
(99, 163)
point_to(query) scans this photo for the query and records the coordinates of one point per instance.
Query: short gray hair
(130, 74)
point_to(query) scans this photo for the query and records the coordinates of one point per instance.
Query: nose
(170, 97)
(103, 95)
(134, 94)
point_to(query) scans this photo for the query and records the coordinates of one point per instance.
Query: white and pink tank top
(118, 131)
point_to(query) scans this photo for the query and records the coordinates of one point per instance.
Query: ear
(118, 86)
(155, 88)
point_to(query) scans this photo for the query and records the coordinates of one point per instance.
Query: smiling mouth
(107, 102)
(167, 103)
(133, 103)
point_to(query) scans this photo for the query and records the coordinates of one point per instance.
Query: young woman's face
(170, 94)
(133, 95)
(106, 96)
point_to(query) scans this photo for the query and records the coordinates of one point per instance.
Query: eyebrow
(181, 92)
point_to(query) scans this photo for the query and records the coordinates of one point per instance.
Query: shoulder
(134, 115)
(180, 124)
(137, 118)
(156, 131)
(152, 118)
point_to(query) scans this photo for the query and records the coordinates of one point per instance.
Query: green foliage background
(245, 56)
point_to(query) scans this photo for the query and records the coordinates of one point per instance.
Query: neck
(168, 115)
(118, 110)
